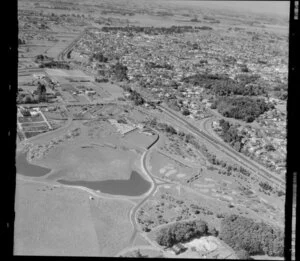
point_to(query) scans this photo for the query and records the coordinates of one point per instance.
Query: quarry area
(150, 129)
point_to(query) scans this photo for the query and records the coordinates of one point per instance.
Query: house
(178, 248)
(90, 92)
(34, 113)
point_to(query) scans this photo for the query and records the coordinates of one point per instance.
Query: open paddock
(55, 115)
(29, 119)
(92, 162)
(35, 126)
(68, 88)
(32, 133)
(67, 73)
(140, 241)
(22, 80)
(114, 90)
(140, 139)
(101, 93)
(70, 224)
(62, 226)
(68, 97)
(112, 224)
(55, 124)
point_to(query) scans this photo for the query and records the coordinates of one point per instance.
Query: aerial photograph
(151, 128)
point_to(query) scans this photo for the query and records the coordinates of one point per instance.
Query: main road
(241, 159)
(149, 193)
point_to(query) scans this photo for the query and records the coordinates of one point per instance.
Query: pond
(135, 186)
(27, 169)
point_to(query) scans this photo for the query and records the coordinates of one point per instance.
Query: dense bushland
(257, 238)
(181, 232)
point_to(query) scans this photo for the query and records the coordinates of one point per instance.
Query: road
(241, 159)
(149, 194)
(43, 135)
(61, 55)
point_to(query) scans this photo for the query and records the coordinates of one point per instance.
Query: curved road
(259, 170)
(149, 193)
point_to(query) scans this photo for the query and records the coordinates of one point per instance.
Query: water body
(27, 169)
(135, 186)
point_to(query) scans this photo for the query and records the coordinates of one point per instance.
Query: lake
(135, 186)
(27, 169)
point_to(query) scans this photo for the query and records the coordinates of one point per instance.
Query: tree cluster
(21, 41)
(99, 57)
(222, 85)
(244, 108)
(280, 91)
(136, 97)
(41, 92)
(152, 65)
(24, 98)
(181, 232)
(55, 64)
(257, 238)
(265, 186)
(203, 27)
(42, 58)
(243, 254)
(150, 30)
(120, 71)
(230, 135)
(97, 79)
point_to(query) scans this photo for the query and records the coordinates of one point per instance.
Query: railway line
(242, 160)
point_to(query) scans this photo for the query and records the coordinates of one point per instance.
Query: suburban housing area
(150, 129)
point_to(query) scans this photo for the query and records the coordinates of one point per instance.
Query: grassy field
(164, 167)
(112, 225)
(140, 241)
(139, 139)
(53, 221)
(92, 162)
(64, 221)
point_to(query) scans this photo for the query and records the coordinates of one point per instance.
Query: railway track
(242, 160)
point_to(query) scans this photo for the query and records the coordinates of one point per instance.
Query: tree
(213, 232)
(270, 147)
(243, 254)
(186, 112)
(237, 146)
(41, 92)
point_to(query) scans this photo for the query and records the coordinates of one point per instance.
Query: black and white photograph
(152, 128)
